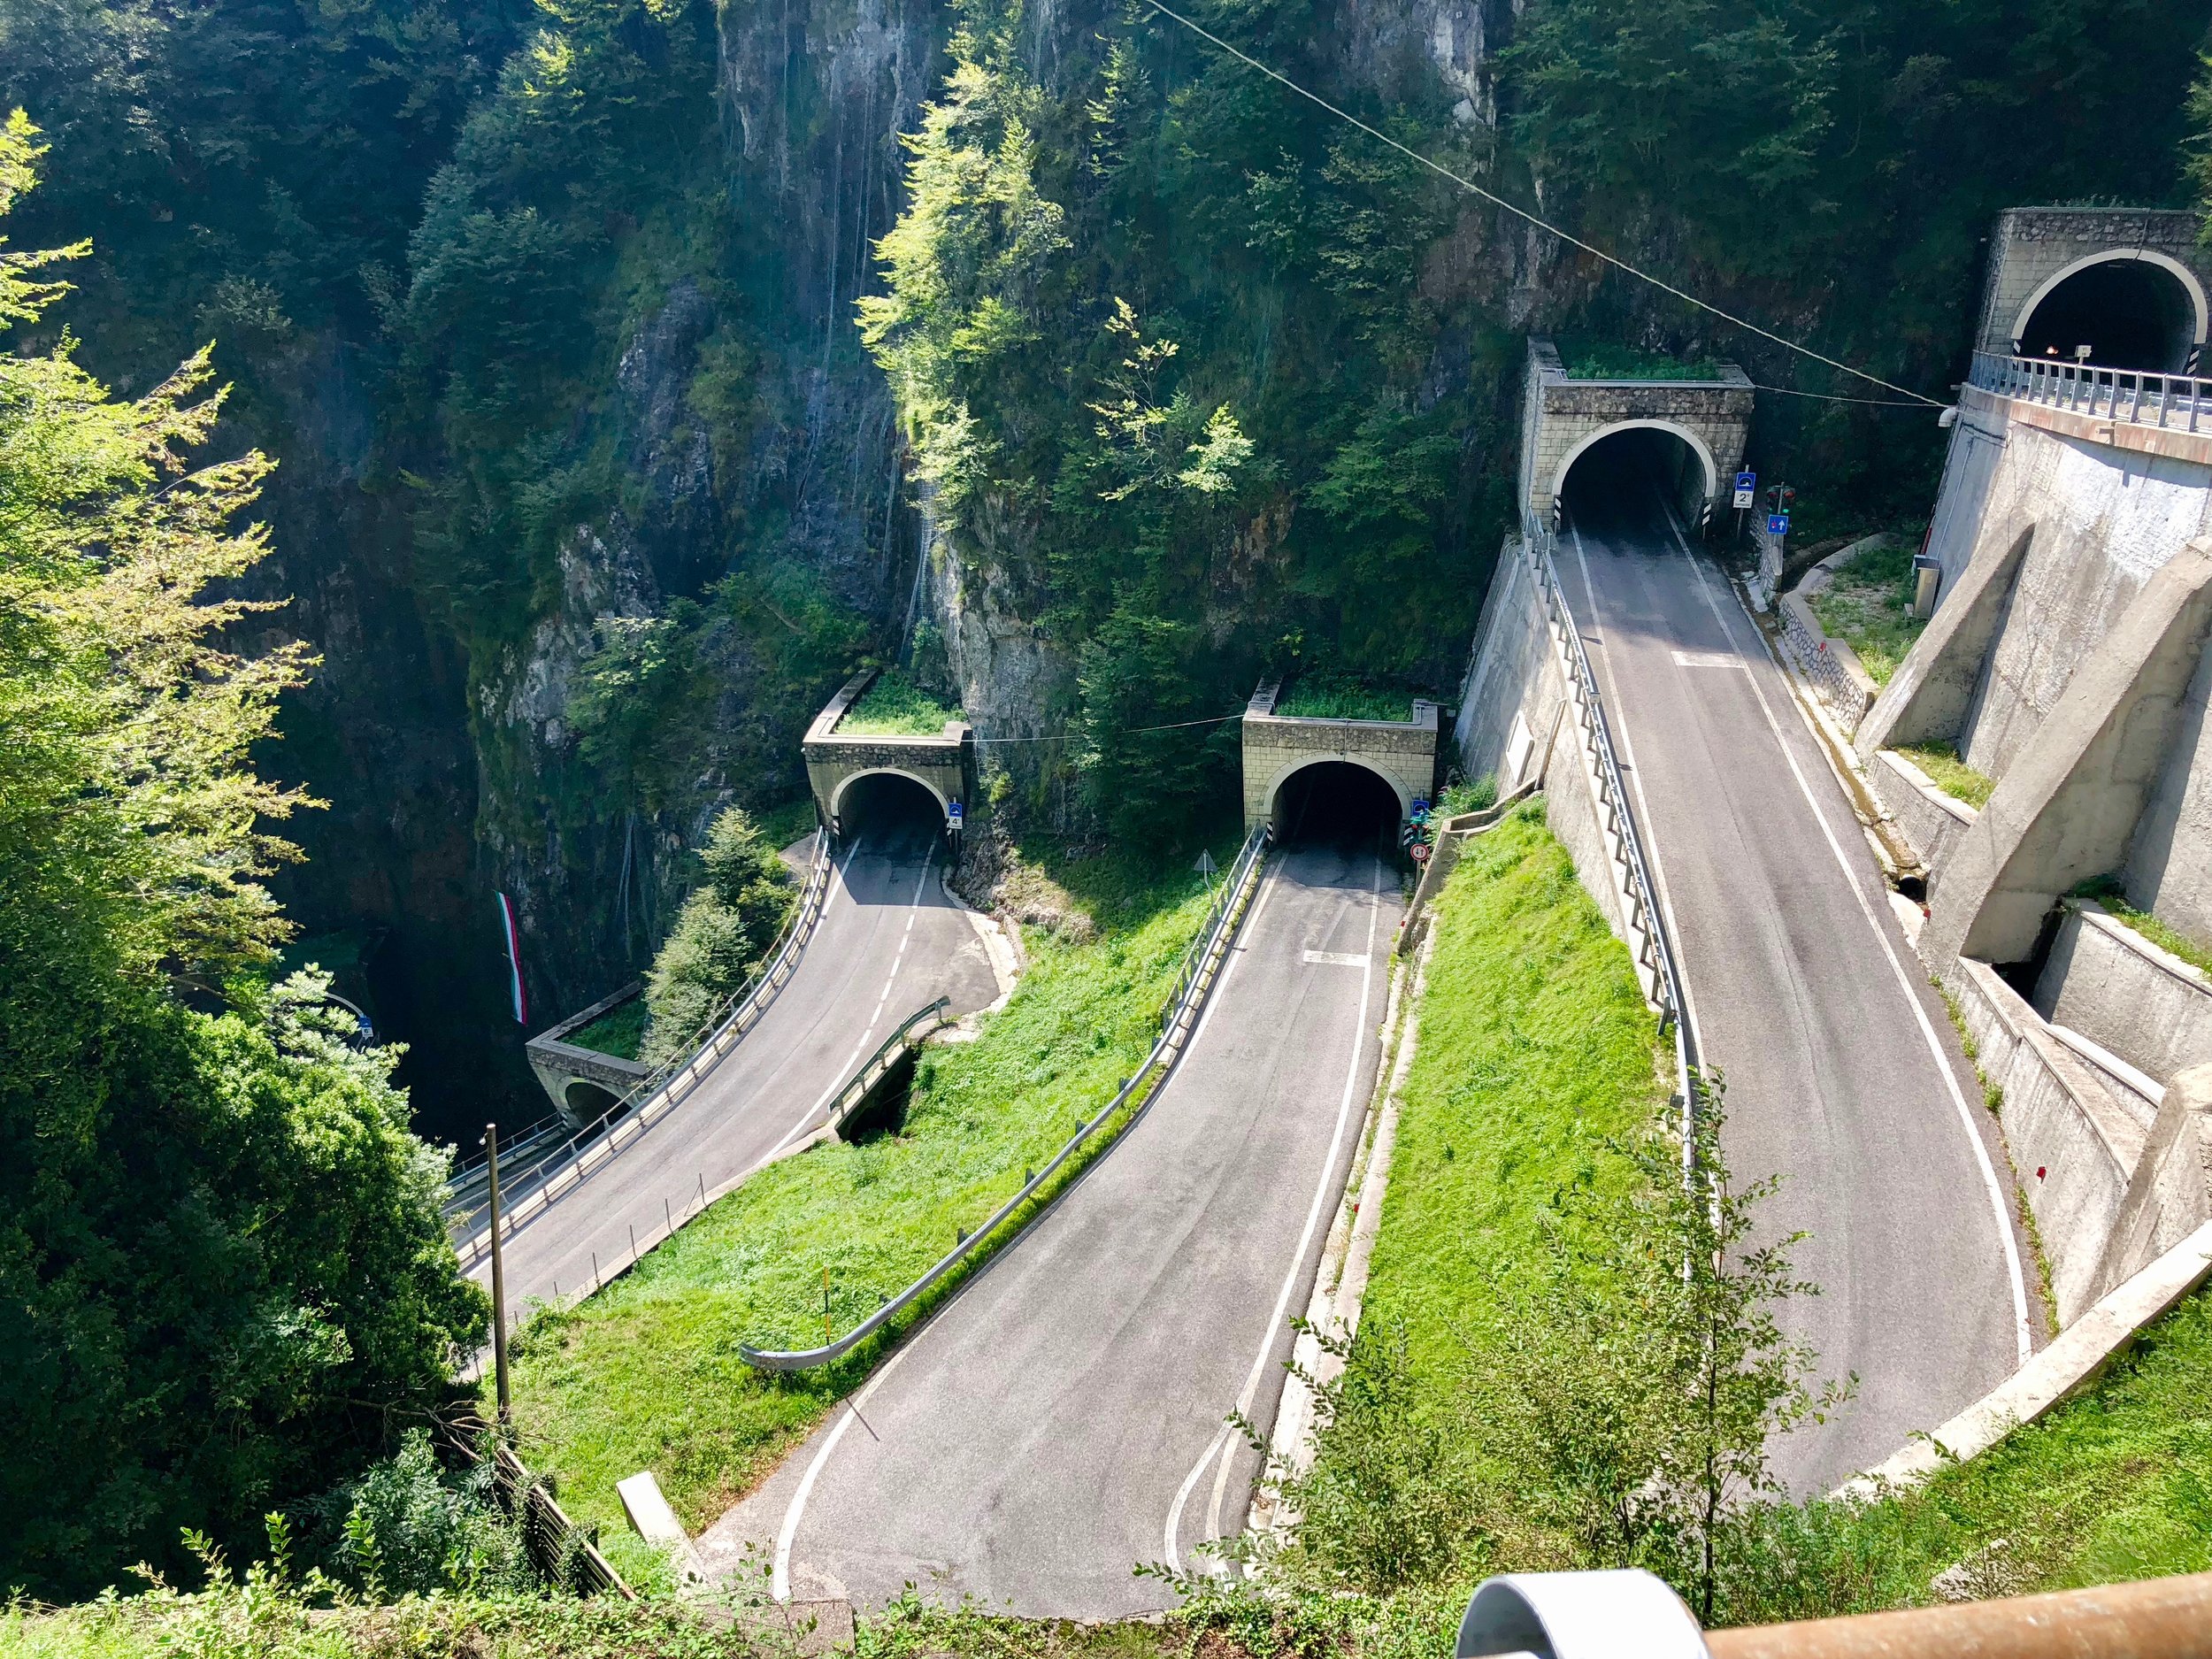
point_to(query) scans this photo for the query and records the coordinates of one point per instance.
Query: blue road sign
(1746, 481)
(953, 811)
(1778, 524)
(1420, 803)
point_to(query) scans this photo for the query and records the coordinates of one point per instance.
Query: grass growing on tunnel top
(646, 1374)
(894, 706)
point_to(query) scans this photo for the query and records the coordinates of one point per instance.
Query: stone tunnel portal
(2131, 311)
(584, 1101)
(1337, 803)
(1628, 475)
(888, 810)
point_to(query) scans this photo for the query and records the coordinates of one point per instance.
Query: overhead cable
(1545, 225)
(1125, 731)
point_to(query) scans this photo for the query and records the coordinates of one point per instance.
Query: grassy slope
(894, 706)
(646, 1374)
(1535, 1045)
(2108, 891)
(1867, 605)
(2116, 1485)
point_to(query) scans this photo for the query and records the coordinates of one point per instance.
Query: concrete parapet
(2067, 809)
(2108, 982)
(1930, 820)
(1561, 418)
(943, 764)
(1402, 753)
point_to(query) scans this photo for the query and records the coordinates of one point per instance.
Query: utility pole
(499, 1273)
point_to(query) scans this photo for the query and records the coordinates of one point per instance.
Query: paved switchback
(1843, 1073)
(888, 940)
(1062, 1419)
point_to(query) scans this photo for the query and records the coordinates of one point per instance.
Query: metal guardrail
(877, 1065)
(2175, 403)
(1202, 967)
(527, 1188)
(1616, 816)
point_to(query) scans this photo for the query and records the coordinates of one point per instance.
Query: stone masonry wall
(2033, 244)
(1557, 414)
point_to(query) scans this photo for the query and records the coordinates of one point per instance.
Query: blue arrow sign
(1778, 524)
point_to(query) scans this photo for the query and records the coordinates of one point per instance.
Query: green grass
(617, 1031)
(2109, 893)
(1535, 1047)
(2113, 1486)
(1949, 773)
(646, 1374)
(1868, 606)
(1317, 697)
(1605, 360)
(894, 706)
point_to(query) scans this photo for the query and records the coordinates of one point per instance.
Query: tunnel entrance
(888, 808)
(2131, 313)
(1339, 804)
(587, 1102)
(1622, 480)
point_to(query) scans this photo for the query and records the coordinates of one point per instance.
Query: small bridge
(1693, 430)
(944, 763)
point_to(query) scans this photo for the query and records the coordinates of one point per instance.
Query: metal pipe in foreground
(1632, 1615)
(2157, 1618)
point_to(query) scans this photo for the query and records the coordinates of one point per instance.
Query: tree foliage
(721, 934)
(222, 1271)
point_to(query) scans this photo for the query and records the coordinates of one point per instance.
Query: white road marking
(1222, 1440)
(1996, 1192)
(779, 1578)
(845, 1072)
(1706, 659)
(1336, 959)
(1619, 731)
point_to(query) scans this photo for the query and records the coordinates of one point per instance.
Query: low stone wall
(1930, 820)
(2073, 1147)
(2114, 986)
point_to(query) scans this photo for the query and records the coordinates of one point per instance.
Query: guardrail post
(499, 1272)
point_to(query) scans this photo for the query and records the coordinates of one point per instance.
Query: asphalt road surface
(888, 940)
(1843, 1074)
(1062, 1419)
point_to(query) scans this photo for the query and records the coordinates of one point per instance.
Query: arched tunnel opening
(587, 1102)
(890, 812)
(1627, 480)
(1339, 805)
(2130, 313)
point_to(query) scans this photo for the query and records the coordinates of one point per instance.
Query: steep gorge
(590, 489)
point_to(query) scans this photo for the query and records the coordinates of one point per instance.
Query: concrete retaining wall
(2108, 982)
(1931, 821)
(2072, 1146)
(1516, 721)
